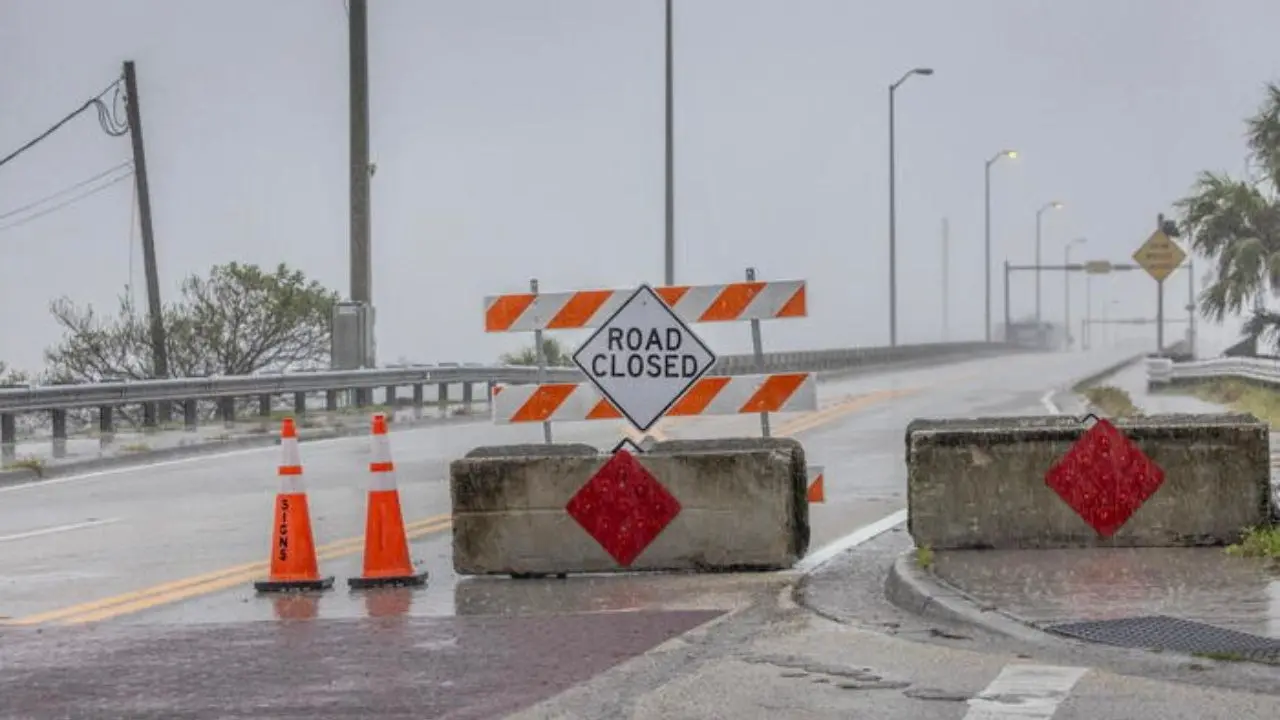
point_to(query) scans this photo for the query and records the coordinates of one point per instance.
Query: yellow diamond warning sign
(1159, 255)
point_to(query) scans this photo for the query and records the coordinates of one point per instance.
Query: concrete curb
(922, 593)
(25, 476)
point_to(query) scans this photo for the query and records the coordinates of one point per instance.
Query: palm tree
(1236, 223)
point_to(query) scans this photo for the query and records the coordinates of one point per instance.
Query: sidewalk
(1045, 588)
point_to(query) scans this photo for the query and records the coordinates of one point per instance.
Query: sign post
(540, 357)
(1159, 256)
(757, 347)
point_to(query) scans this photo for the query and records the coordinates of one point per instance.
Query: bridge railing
(1164, 372)
(107, 398)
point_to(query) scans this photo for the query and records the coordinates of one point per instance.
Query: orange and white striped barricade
(714, 395)
(527, 312)
(752, 301)
(817, 492)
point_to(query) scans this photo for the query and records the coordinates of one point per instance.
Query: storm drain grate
(1169, 633)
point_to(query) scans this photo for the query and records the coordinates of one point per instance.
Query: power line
(64, 191)
(65, 203)
(108, 119)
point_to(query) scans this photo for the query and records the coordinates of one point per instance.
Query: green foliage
(9, 376)
(237, 320)
(1258, 542)
(924, 557)
(1236, 222)
(552, 350)
(1112, 401)
(1261, 402)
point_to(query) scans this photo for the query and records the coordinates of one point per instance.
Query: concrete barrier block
(743, 507)
(980, 483)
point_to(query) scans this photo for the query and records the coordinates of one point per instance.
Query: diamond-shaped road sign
(643, 358)
(1159, 255)
(624, 507)
(1105, 478)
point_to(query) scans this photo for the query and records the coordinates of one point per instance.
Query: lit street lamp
(893, 219)
(1066, 288)
(1012, 155)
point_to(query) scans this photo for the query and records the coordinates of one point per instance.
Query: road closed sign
(644, 358)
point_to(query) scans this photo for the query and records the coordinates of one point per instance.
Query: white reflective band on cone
(381, 479)
(290, 484)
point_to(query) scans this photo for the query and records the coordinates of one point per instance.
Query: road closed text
(652, 353)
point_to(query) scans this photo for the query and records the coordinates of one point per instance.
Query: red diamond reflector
(624, 507)
(1105, 478)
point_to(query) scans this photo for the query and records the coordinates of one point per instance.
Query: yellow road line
(226, 582)
(208, 582)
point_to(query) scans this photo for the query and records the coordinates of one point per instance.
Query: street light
(1053, 205)
(893, 219)
(1012, 155)
(1066, 288)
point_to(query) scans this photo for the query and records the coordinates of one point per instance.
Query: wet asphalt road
(156, 563)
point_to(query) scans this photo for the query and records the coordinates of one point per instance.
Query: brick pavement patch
(389, 667)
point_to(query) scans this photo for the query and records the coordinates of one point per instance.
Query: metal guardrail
(98, 395)
(1163, 372)
(157, 396)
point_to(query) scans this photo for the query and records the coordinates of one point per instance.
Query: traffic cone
(293, 551)
(386, 548)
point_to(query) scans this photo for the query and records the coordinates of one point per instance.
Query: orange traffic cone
(293, 552)
(386, 549)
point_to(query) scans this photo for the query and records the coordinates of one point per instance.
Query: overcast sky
(523, 138)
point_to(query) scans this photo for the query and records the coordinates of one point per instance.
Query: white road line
(811, 561)
(1024, 692)
(56, 529)
(1047, 401)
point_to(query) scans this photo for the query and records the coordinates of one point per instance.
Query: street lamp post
(1011, 154)
(669, 245)
(1086, 331)
(1053, 205)
(893, 219)
(1066, 289)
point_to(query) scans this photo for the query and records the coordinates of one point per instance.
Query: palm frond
(1264, 135)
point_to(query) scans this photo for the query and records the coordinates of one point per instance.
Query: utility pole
(358, 39)
(946, 268)
(669, 274)
(360, 171)
(159, 352)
